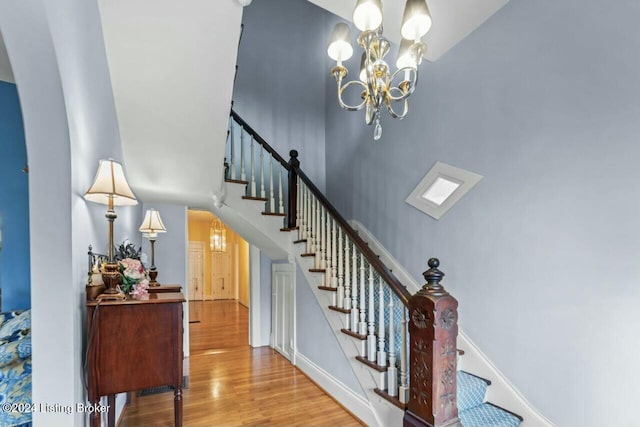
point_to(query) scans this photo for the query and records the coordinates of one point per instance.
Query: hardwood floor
(232, 384)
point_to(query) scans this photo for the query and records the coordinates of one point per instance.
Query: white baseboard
(356, 404)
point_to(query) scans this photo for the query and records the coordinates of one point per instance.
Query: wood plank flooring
(232, 384)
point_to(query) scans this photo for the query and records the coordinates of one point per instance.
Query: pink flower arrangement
(134, 278)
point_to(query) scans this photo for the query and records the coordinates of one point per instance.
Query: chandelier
(218, 236)
(379, 87)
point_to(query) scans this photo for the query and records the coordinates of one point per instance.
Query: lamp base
(111, 278)
(153, 273)
(120, 296)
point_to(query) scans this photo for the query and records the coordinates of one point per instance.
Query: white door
(222, 287)
(282, 309)
(196, 270)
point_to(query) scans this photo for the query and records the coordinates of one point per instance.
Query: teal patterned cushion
(15, 365)
(18, 321)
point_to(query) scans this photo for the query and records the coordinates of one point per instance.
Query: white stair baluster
(253, 174)
(382, 355)
(272, 200)
(243, 175)
(371, 338)
(323, 240)
(309, 223)
(318, 234)
(354, 286)
(334, 258)
(263, 194)
(392, 371)
(347, 276)
(232, 160)
(299, 220)
(403, 391)
(338, 235)
(280, 193)
(326, 227)
(362, 327)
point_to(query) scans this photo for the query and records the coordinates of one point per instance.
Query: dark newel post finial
(433, 276)
(294, 164)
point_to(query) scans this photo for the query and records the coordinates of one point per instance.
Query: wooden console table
(134, 344)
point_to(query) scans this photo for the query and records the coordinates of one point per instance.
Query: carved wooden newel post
(294, 163)
(433, 329)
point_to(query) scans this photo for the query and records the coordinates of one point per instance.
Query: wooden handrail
(259, 139)
(293, 166)
(398, 288)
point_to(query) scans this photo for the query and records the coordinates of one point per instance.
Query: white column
(243, 175)
(362, 327)
(231, 161)
(253, 174)
(382, 355)
(403, 391)
(354, 287)
(326, 227)
(392, 371)
(309, 223)
(340, 266)
(263, 194)
(280, 193)
(272, 199)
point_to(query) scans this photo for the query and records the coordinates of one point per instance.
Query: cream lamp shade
(152, 223)
(410, 54)
(416, 20)
(339, 48)
(367, 15)
(110, 183)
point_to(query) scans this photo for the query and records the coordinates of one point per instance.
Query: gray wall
(279, 88)
(315, 339)
(543, 253)
(170, 247)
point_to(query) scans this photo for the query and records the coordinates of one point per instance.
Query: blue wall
(544, 253)
(15, 279)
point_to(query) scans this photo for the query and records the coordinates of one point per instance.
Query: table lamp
(151, 226)
(110, 188)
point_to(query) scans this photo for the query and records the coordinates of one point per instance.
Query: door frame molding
(197, 245)
(289, 267)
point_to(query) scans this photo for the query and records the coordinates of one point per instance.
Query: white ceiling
(453, 20)
(6, 74)
(172, 65)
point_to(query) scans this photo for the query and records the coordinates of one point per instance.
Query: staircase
(274, 205)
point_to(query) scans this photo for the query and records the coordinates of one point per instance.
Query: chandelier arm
(346, 106)
(410, 84)
(388, 101)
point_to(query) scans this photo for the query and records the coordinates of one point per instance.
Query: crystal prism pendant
(377, 131)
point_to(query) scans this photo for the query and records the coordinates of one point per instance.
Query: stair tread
(301, 241)
(317, 270)
(287, 229)
(258, 199)
(308, 254)
(341, 310)
(236, 181)
(353, 334)
(273, 214)
(393, 400)
(327, 288)
(488, 415)
(471, 390)
(371, 364)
